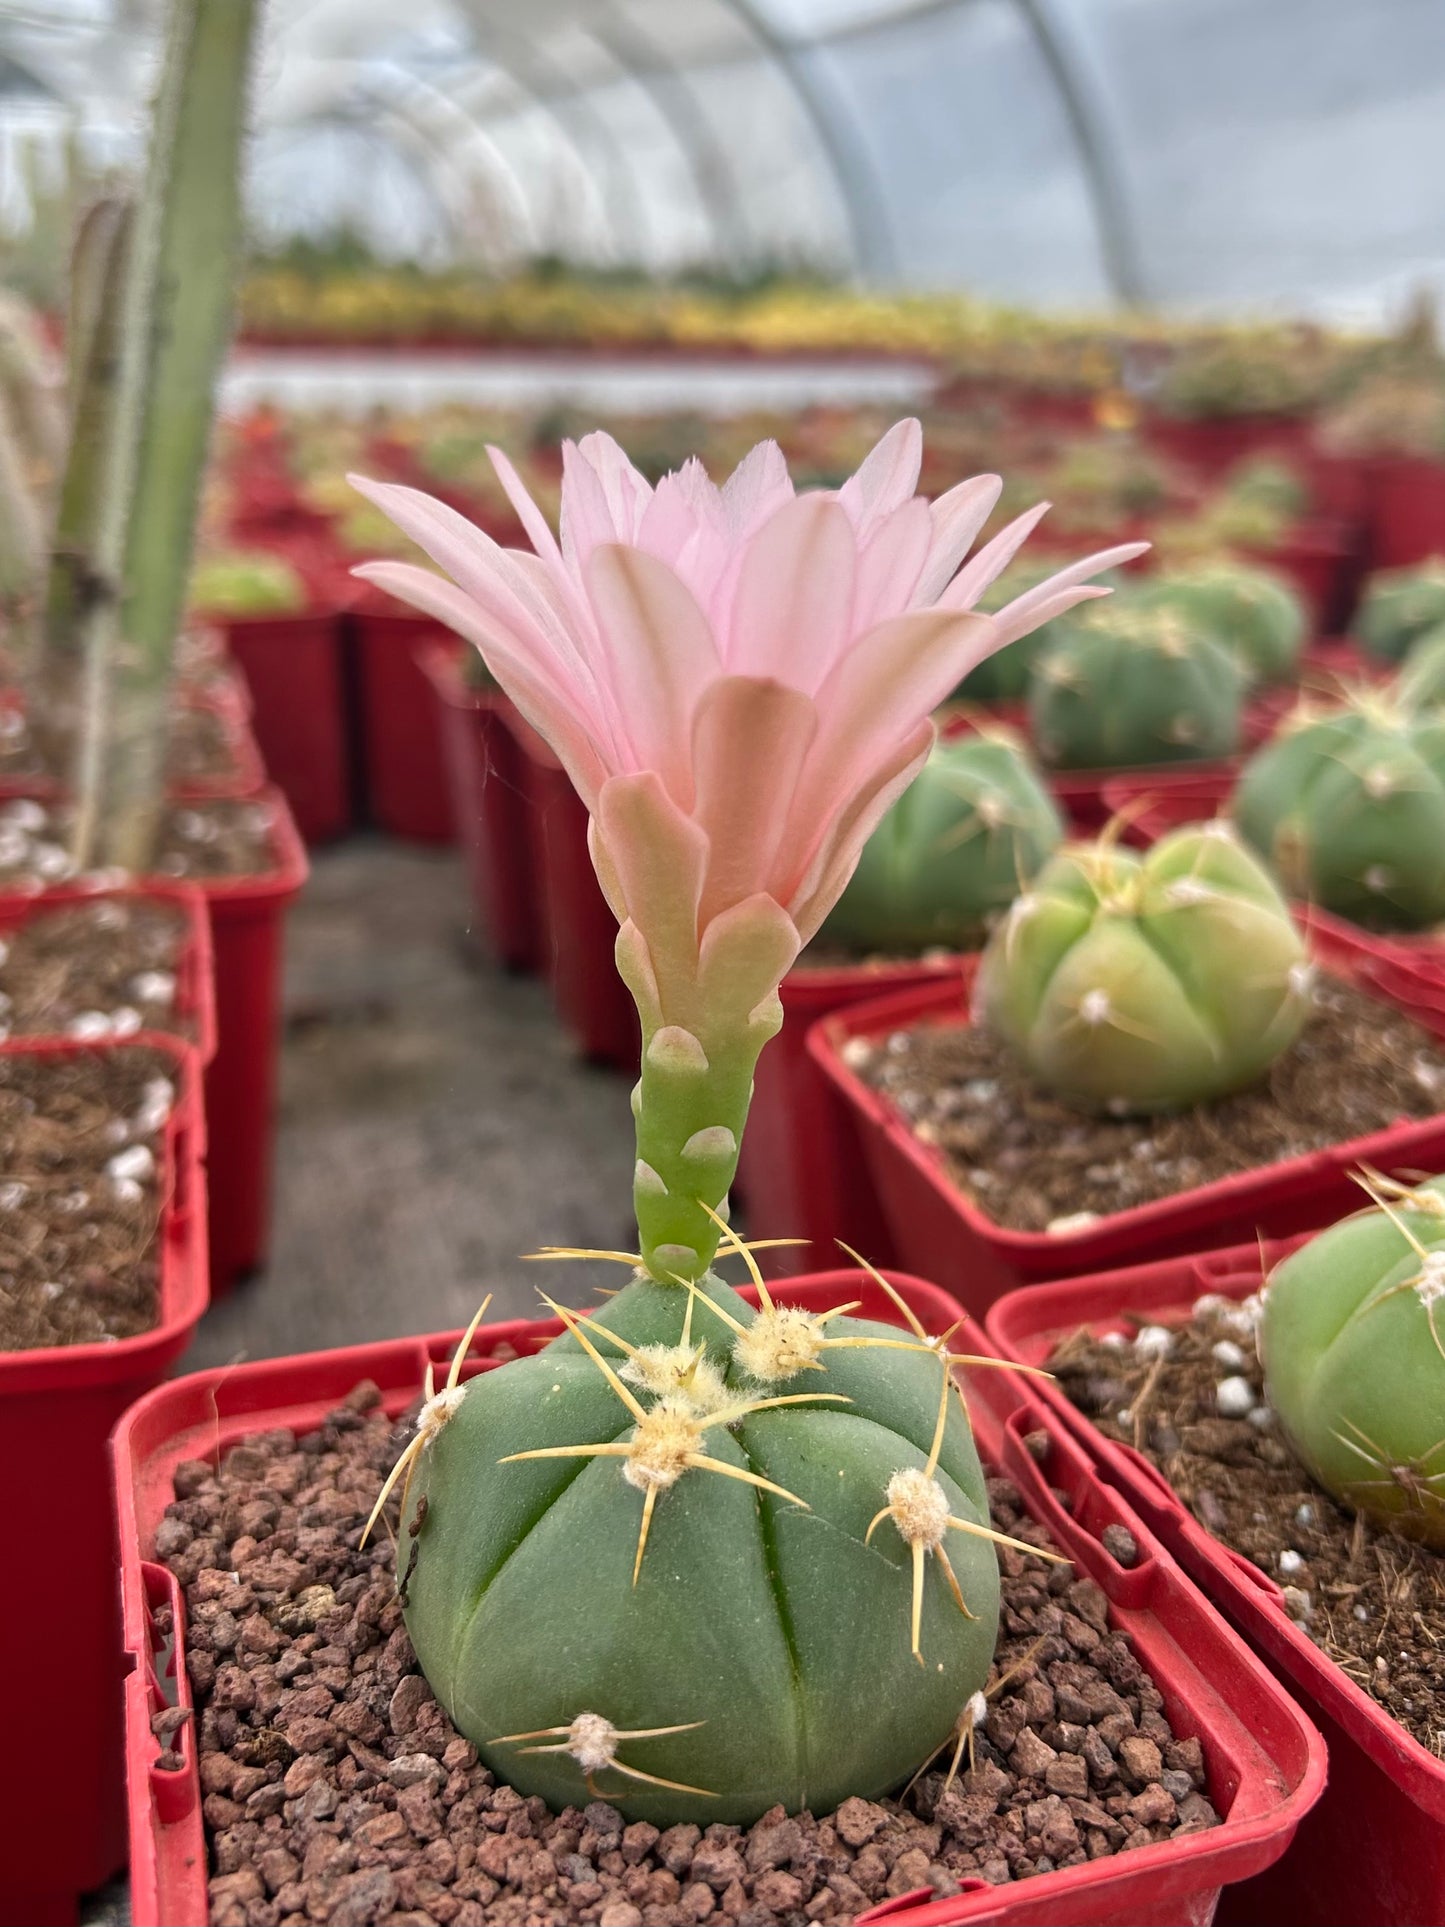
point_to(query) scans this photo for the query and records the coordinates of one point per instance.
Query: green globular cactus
(1132, 684)
(952, 853)
(1004, 676)
(1353, 1344)
(1136, 983)
(1252, 611)
(1348, 806)
(247, 583)
(1421, 681)
(1399, 606)
(699, 1560)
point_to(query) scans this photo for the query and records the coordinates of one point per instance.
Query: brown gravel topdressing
(1373, 1602)
(214, 838)
(335, 1789)
(80, 1174)
(201, 749)
(91, 969)
(1031, 1162)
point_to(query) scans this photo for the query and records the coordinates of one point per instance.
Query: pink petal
(658, 859)
(992, 559)
(1025, 612)
(957, 518)
(757, 488)
(793, 605)
(886, 479)
(627, 491)
(749, 743)
(550, 705)
(837, 856)
(528, 514)
(586, 518)
(890, 564)
(659, 655)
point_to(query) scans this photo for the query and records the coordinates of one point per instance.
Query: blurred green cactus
(1348, 806)
(1353, 1344)
(1252, 611)
(1131, 684)
(1136, 983)
(953, 852)
(247, 583)
(1004, 676)
(1421, 681)
(1399, 606)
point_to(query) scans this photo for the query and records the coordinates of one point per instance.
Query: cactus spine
(1131, 983)
(952, 853)
(1133, 684)
(174, 328)
(1353, 1344)
(1348, 805)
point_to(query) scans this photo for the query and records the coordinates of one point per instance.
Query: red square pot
(1373, 1850)
(406, 781)
(1407, 523)
(936, 1228)
(1264, 1761)
(293, 670)
(62, 1796)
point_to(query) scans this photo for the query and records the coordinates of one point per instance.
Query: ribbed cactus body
(779, 1636)
(1256, 615)
(953, 851)
(1353, 1344)
(1349, 809)
(1004, 677)
(1132, 684)
(1421, 681)
(1399, 605)
(1133, 983)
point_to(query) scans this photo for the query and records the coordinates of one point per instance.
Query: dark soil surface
(335, 1789)
(102, 969)
(201, 747)
(1373, 1602)
(212, 838)
(80, 1174)
(1033, 1163)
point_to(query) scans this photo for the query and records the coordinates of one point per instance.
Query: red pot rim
(1025, 1326)
(808, 988)
(180, 1232)
(1377, 971)
(1267, 1762)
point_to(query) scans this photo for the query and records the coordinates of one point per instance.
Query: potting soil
(67, 967)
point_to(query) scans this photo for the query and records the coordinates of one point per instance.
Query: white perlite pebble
(124, 1022)
(1229, 1355)
(127, 1190)
(1234, 1397)
(1262, 1417)
(1075, 1221)
(1304, 1515)
(24, 814)
(1291, 1562)
(136, 1163)
(88, 1025)
(1154, 1341)
(1116, 1341)
(1298, 1604)
(154, 987)
(1207, 1305)
(13, 1195)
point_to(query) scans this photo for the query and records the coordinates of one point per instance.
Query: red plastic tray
(579, 930)
(62, 1810)
(406, 780)
(802, 1172)
(938, 1230)
(195, 1001)
(1407, 523)
(489, 807)
(293, 669)
(1265, 1762)
(1373, 1851)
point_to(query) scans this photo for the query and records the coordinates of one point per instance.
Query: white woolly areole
(1189, 890)
(1430, 1285)
(682, 1369)
(1094, 1006)
(919, 1507)
(779, 1344)
(592, 1742)
(438, 1410)
(976, 1712)
(661, 1443)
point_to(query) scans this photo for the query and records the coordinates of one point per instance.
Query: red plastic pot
(802, 1173)
(1265, 1762)
(62, 1806)
(406, 780)
(1085, 795)
(940, 1231)
(1213, 445)
(1316, 559)
(1407, 524)
(1373, 1850)
(294, 671)
(489, 807)
(579, 931)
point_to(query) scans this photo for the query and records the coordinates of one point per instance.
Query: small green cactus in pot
(952, 852)
(1348, 806)
(1399, 606)
(1138, 983)
(694, 1557)
(1252, 611)
(1353, 1344)
(1134, 685)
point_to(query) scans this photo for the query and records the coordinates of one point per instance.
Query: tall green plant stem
(175, 325)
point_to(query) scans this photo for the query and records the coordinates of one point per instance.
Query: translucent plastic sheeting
(1258, 154)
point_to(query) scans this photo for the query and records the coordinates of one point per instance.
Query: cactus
(247, 583)
(1399, 606)
(1255, 614)
(1129, 983)
(1132, 684)
(22, 546)
(174, 325)
(953, 851)
(1348, 806)
(1353, 1343)
(1005, 677)
(1421, 681)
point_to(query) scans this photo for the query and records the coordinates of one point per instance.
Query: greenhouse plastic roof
(1262, 155)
